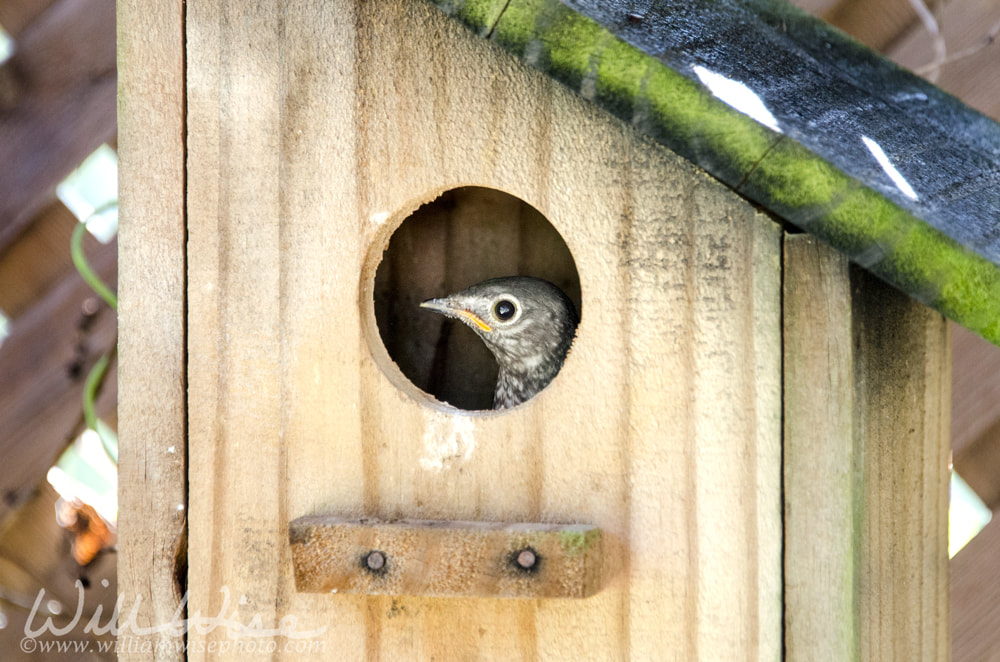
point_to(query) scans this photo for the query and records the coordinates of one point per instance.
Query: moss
(968, 286)
(573, 45)
(575, 543)
(572, 42)
(620, 72)
(861, 219)
(777, 172)
(918, 259)
(516, 27)
(480, 15)
(795, 178)
(697, 122)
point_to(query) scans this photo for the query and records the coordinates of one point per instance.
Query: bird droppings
(448, 440)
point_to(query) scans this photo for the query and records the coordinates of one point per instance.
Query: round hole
(465, 236)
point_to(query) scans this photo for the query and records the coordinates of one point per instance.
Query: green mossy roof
(773, 169)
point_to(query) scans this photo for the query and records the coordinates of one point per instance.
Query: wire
(95, 379)
(80, 261)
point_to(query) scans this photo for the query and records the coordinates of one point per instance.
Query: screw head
(375, 560)
(526, 559)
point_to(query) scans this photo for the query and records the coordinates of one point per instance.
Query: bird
(528, 324)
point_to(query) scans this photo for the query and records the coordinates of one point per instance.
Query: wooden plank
(17, 15)
(975, 598)
(879, 25)
(445, 558)
(815, 7)
(820, 455)
(43, 364)
(38, 259)
(978, 462)
(903, 399)
(866, 465)
(967, 26)
(663, 429)
(62, 109)
(975, 428)
(152, 350)
(976, 370)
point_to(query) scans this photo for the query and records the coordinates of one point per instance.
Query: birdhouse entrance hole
(465, 236)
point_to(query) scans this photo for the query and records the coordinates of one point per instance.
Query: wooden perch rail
(441, 558)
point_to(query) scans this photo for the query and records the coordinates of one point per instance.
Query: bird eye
(504, 309)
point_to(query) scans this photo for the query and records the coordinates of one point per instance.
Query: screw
(375, 561)
(89, 306)
(526, 559)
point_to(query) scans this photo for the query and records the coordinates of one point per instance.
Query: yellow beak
(435, 304)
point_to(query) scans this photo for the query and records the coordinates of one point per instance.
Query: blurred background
(58, 168)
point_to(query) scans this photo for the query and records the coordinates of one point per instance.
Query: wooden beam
(866, 455)
(903, 391)
(965, 27)
(445, 558)
(975, 597)
(152, 409)
(43, 364)
(62, 106)
(38, 259)
(975, 425)
(875, 24)
(815, 7)
(820, 621)
(18, 15)
(978, 463)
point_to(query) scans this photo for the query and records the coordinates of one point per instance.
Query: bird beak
(448, 309)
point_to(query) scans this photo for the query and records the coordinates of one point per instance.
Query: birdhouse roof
(793, 114)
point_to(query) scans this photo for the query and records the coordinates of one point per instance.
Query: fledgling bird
(527, 323)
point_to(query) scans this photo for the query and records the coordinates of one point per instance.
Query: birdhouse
(744, 450)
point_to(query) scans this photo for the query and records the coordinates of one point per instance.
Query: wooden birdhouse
(745, 451)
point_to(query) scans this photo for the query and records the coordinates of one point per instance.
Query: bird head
(527, 323)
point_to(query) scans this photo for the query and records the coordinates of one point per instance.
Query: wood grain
(663, 428)
(867, 378)
(820, 455)
(151, 408)
(903, 399)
